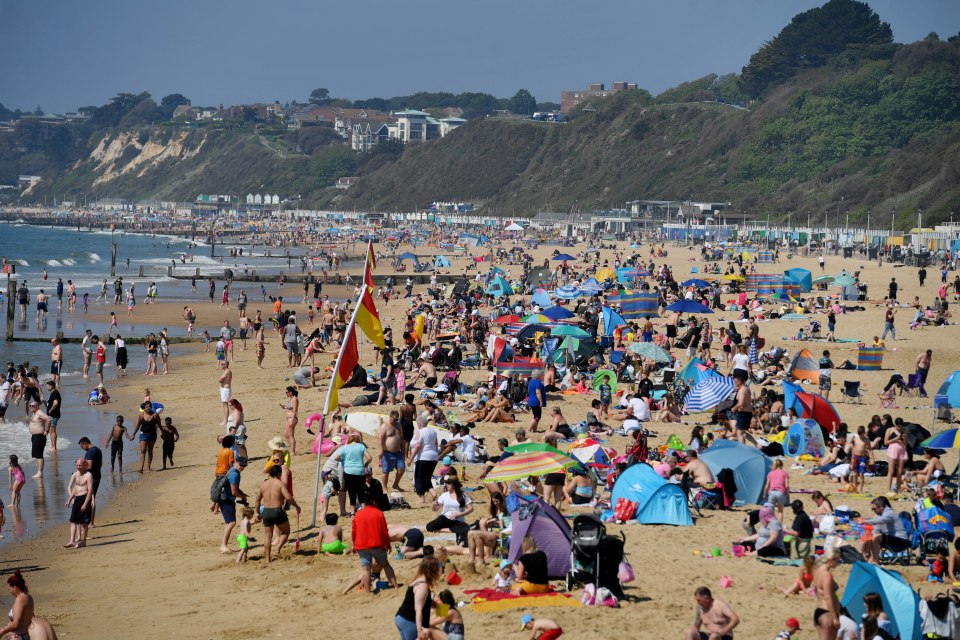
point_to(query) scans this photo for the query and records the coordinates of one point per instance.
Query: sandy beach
(152, 568)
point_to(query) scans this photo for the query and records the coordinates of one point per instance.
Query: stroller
(934, 531)
(594, 556)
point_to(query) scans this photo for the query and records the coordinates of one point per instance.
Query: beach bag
(624, 510)
(625, 572)
(589, 595)
(605, 598)
(216, 489)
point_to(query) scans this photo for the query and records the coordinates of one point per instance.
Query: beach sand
(153, 569)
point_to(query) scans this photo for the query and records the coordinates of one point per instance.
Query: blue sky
(62, 54)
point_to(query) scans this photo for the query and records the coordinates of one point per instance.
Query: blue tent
(790, 400)
(802, 277)
(695, 370)
(611, 320)
(542, 298)
(500, 287)
(949, 392)
(804, 437)
(900, 602)
(441, 261)
(591, 286)
(406, 256)
(749, 465)
(658, 501)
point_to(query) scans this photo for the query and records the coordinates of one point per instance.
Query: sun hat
(525, 619)
(504, 563)
(447, 460)
(793, 623)
(277, 444)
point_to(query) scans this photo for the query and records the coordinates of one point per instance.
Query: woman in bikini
(826, 617)
(290, 428)
(896, 458)
(559, 427)
(22, 612)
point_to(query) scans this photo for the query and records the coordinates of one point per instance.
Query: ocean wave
(15, 438)
(94, 258)
(52, 263)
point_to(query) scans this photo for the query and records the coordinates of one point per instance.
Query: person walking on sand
(743, 409)
(54, 402)
(273, 494)
(227, 504)
(225, 380)
(714, 615)
(93, 457)
(117, 433)
(80, 502)
(923, 368)
(148, 426)
(391, 450)
(56, 361)
(371, 540)
(888, 327)
(86, 345)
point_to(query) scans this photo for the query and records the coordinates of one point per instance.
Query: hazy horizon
(64, 55)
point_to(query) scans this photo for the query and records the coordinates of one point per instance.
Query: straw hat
(277, 444)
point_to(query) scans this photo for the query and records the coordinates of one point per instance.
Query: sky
(64, 54)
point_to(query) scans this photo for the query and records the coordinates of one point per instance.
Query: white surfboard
(365, 422)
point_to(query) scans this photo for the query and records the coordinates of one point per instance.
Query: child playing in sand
(330, 489)
(330, 539)
(169, 435)
(805, 580)
(205, 336)
(116, 443)
(542, 628)
(15, 480)
(502, 581)
(448, 616)
(243, 538)
(221, 352)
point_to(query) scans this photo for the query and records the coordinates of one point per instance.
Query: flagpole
(326, 404)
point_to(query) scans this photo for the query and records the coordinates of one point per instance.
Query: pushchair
(588, 532)
(934, 532)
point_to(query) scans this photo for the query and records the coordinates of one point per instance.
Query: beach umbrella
(633, 273)
(590, 287)
(695, 282)
(558, 313)
(708, 393)
(530, 330)
(590, 452)
(535, 317)
(569, 331)
(823, 280)
(689, 306)
(567, 292)
(530, 463)
(752, 353)
(843, 279)
(650, 351)
(949, 439)
(507, 319)
(564, 256)
(782, 296)
(513, 226)
(536, 447)
(604, 274)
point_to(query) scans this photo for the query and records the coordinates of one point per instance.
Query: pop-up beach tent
(802, 277)
(696, 371)
(500, 287)
(658, 501)
(804, 437)
(749, 465)
(900, 602)
(548, 528)
(541, 297)
(406, 256)
(804, 367)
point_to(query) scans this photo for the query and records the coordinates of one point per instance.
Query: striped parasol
(530, 463)
(650, 351)
(949, 439)
(708, 393)
(752, 353)
(567, 292)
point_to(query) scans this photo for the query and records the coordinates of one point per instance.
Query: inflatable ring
(157, 407)
(311, 419)
(327, 447)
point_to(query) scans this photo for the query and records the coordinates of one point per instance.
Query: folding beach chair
(851, 391)
(914, 387)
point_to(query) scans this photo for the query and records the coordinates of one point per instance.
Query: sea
(44, 254)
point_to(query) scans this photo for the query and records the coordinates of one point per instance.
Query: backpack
(217, 488)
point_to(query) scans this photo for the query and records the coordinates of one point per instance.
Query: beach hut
(900, 602)
(804, 437)
(548, 527)
(803, 277)
(804, 367)
(499, 287)
(748, 464)
(658, 501)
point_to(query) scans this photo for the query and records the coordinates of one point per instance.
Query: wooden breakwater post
(11, 309)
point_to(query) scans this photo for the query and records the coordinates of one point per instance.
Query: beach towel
(490, 600)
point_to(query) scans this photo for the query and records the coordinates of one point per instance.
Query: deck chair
(914, 387)
(888, 399)
(851, 391)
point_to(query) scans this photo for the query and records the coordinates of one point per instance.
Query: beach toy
(311, 419)
(726, 582)
(716, 552)
(453, 578)
(157, 407)
(738, 550)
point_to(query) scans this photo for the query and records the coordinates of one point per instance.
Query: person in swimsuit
(714, 615)
(116, 443)
(148, 426)
(896, 458)
(330, 539)
(826, 617)
(453, 621)
(80, 501)
(413, 616)
(290, 429)
(579, 488)
(272, 494)
(22, 612)
(16, 479)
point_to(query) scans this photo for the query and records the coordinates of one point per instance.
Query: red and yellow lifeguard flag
(368, 276)
(347, 361)
(368, 319)
(371, 256)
